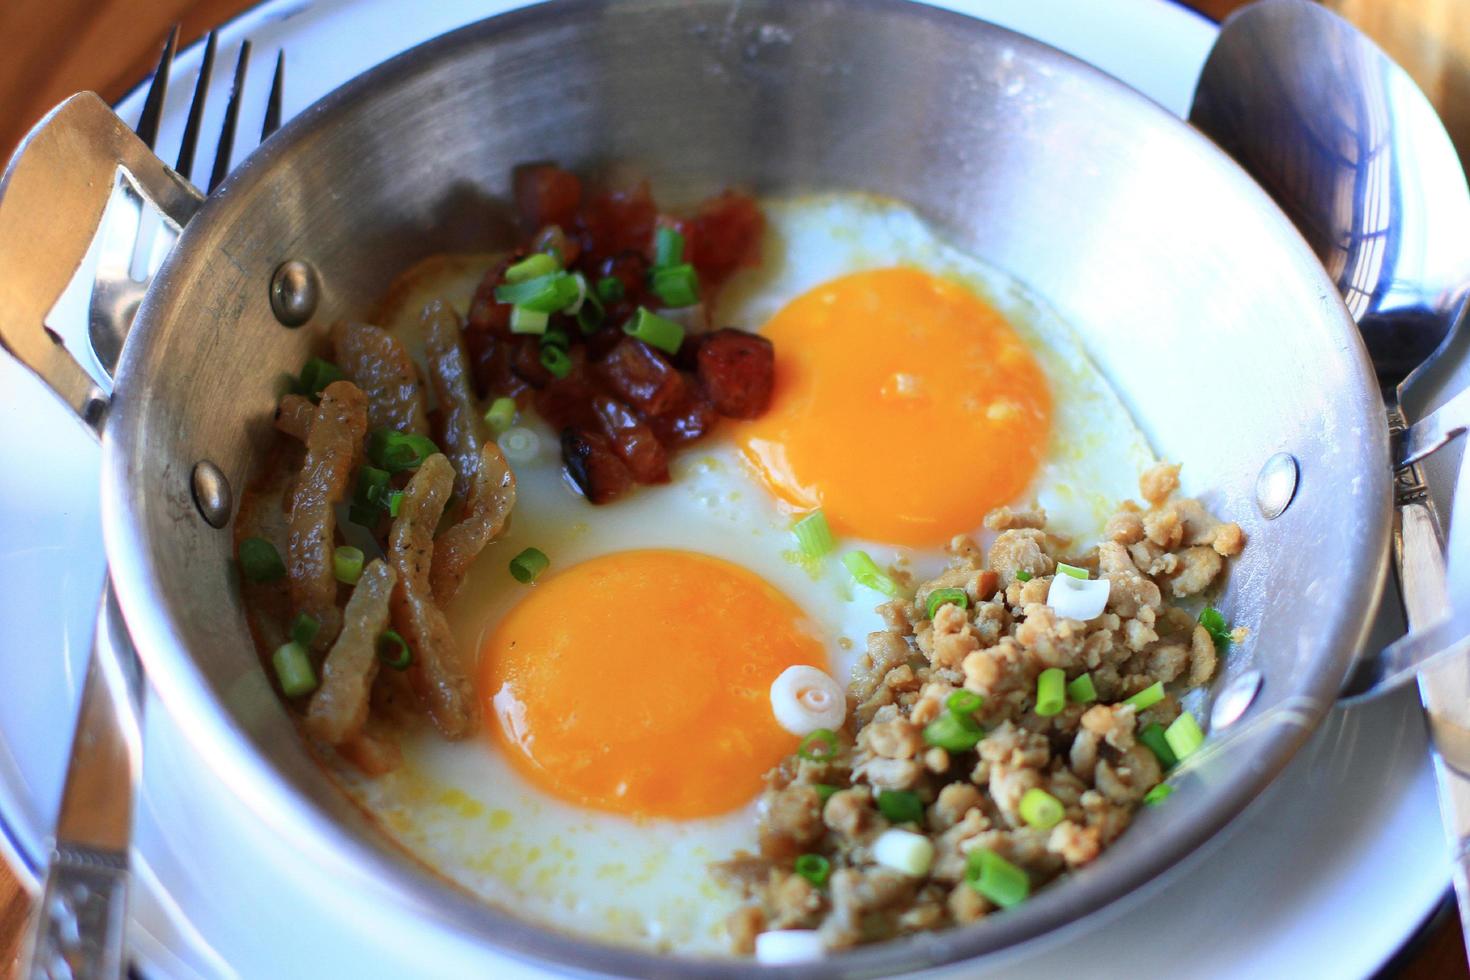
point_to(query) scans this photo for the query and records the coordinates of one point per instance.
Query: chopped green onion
(501, 415)
(953, 732)
(556, 337)
(813, 536)
(347, 564)
(1153, 737)
(964, 702)
(527, 321)
(1214, 623)
(1064, 569)
(555, 360)
(304, 629)
(814, 868)
(824, 791)
(654, 330)
(1080, 690)
(393, 650)
(1040, 809)
(371, 497)
(591, 315)
(260, 561)
(668, 247)
(316, 374)
(397, 452)
(996, 878)
(395, 501)
(677, 286)
(939, 597)
(1023, 576)
(609, 289)
(865, 572)
(1158, 794)
(528, 564)
(532, 267)
(1051, 691)
(293, 670)
(1184, 736)
(544, 294)
(904, 851)
(818, 746)
(1148, 697)
(900, 806)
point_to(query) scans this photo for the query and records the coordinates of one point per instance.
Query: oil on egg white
(464, 810)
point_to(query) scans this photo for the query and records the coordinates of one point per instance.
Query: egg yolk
(904, 406)
(639, 682)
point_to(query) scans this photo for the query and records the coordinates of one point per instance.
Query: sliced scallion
(654, 330)
(527, 321)
(543, 294)
(813, 536)
(397, 452)
(1040, 809)
(814, 868)
(304, 629)
(818, 746)
(555, 360)
(501, 414)
(260, 561)
(900, 806)
(677, 286)
(940, 597)
(1023, 576)
(1184, 736)
(668, 247)
(1214, 623)
(996, 878)
(865, 572)
(293, 670)
(1051, 691)
(964, 702)
(532, 267)
(609, 289)
(529, 564)
(1148, 697)
(825, 791)
(1080, 689)
(1152, 736)
(393, 650)
(1158, 794)
(953, 732)
(315, 375)
(347, 564)
(1064, 569)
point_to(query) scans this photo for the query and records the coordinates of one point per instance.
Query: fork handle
(81, 922)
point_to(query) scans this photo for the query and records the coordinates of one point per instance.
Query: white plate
(1325, 876)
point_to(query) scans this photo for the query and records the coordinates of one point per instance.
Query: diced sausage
(738, 371)
(633, 441)
(594, 468)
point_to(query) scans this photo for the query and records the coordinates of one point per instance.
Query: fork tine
(153, 106)
(273, 104)
(232, 119)
(196, 109)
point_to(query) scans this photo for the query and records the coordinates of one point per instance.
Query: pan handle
(52, 197)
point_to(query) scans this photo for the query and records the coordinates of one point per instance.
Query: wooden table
(58, 47)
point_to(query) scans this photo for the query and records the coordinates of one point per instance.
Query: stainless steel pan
(1191, 290)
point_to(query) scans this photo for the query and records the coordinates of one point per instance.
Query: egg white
(464, 810)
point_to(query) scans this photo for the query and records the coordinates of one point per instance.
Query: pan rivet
(211, 493)
(1233, 701)
(1276, 485)
(294, 292)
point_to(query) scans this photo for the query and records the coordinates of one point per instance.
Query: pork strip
(333, 446)
(380, 365)
(340, 705)
(492, 498)
(451, 375)
(436, 669)
(294, 416)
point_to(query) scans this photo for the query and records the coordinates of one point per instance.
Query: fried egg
(625, 693)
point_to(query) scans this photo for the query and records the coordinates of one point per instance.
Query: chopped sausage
(640, 376)
(633, 440)
(545, 194)
(737, 370)
(593, 466)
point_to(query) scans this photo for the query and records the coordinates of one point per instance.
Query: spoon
(1355, 155)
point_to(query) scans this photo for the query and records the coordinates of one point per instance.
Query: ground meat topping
(1089, 756)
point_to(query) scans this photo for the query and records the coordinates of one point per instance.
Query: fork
(79, 927)
(125, 267)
